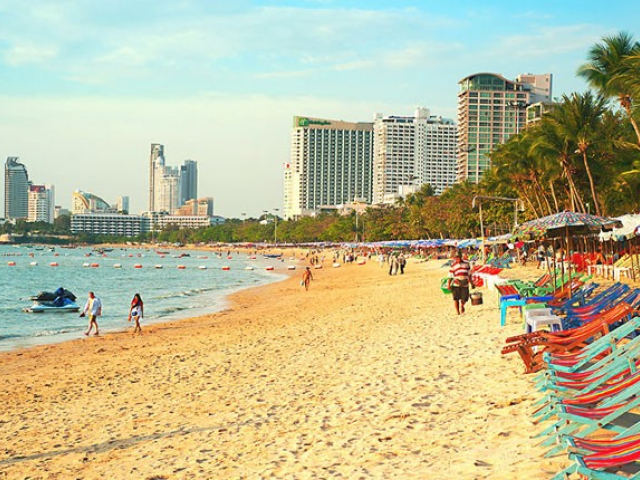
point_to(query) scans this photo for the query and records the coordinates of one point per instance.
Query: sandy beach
(363, 376)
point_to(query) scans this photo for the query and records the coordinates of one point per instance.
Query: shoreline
(365, 375)
(215, 300)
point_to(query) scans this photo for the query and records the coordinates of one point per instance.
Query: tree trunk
(553, 195)
(591, 184)
(572, 187)
(542, 194)
(627, 108)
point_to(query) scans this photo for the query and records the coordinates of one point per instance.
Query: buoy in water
(54, 264)
(248, 268)
(158, 266)
(85, 264)
(269, 268)
(226, 267)
(137, 265)
(117, 265)
(181, 267)
(202, 267)
(11, 264)
(95, 265)
(33, 264)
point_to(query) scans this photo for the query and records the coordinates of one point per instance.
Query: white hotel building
(330, 164)
(41, 203)
(411, 151)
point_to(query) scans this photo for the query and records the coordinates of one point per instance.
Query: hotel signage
(305, 122)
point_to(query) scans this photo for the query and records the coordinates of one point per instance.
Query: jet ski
(60, 301)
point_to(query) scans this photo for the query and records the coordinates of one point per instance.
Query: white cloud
(22, 54)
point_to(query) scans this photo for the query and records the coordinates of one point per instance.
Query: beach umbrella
(558, 224)
(566, 224)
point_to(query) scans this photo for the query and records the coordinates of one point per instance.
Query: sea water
(189, 283)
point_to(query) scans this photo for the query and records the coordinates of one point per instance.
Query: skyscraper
(156, 166)
(490, 110)
(122, 204)
(188, 181)
(330, 164)
(167, 189)
(41, 203)
(16, 190)
(411, 151)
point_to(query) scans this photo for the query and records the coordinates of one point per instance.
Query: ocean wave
(55, 331)
(8, 337)
(185, 293)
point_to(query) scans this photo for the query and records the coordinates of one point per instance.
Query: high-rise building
(122, 204)
(156, 166)
(41, 199)
(330, 164)
(16, 190)
(170, 187)
(167, 190)
(439, 160)
(188, 181)
(411, 151)
(490, 110)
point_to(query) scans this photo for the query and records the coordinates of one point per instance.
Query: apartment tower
(491, 109)
(411, 151)
(188, 181)
(330, 164)
(16, 190)
(41, 199)
(156, 167)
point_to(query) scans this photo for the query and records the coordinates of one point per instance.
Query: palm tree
(552, 142)
(608, 71)
(582, 119)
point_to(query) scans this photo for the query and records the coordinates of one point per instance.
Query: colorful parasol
(559, 224)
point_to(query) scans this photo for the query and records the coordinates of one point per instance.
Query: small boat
(60, 301)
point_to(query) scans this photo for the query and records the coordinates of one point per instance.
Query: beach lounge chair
(601, 410)
(565, 341)
(608, 459)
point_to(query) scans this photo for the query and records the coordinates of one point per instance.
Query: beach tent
(630, 227)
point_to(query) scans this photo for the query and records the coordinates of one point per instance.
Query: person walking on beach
(306, 278)
(459, 281)
(393, 264)
(94, 308)
(402, 261)
(136, 312)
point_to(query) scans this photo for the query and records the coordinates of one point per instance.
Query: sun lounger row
(589, 379)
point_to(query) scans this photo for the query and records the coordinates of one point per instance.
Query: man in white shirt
(94, 308)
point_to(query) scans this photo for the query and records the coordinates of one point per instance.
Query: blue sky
(88, 85)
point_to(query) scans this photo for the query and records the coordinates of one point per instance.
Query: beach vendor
(459, 281)
(94, 308)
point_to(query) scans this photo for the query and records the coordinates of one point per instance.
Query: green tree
(612, 71)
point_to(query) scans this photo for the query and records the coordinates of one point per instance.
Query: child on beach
(136, 312)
